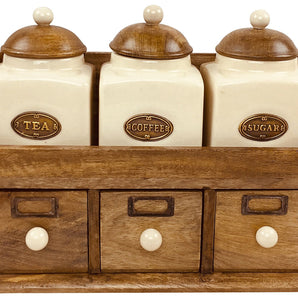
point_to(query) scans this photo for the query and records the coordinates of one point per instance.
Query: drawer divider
(208, 230)
(93, 231)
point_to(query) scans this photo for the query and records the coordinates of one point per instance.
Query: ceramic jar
(150, 93)
(251, 89)
(45, 86)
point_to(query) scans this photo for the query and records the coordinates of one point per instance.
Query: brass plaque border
(132, 212)
(32, 113)
(15, 212)
(263, 115)
(283, 210)
(163, 119)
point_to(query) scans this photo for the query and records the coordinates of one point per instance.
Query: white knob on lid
(153, 14)
(37, 238)
(43, 16)
(267, 237)
(259, 19)
(151, 239)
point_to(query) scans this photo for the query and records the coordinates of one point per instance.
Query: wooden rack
(125, 168)
(147, 168)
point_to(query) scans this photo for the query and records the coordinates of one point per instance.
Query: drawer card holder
(50, 201)
(282, 210)
(133, 211)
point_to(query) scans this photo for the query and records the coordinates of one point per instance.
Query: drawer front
(126, 215)
(256, 231)
(62, 215)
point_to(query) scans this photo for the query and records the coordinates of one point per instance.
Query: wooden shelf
(158, 282)
(25, 167)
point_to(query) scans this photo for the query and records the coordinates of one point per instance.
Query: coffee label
(148, 127)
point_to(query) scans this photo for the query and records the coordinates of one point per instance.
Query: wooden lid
(43, 41)
(258, 43)
(151, 40)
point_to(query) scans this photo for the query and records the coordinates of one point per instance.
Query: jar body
(57, 88)
(250, 103)
(171, 90)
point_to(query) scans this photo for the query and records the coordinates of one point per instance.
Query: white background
(204, 24)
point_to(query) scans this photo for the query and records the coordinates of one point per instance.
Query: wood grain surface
(151, 282)
(120, 234)
(67, 250)
(236, 248)
(258, 45)
(43, 42)
(93, 231)
(147, 168)
(207, 252)
(151, 41)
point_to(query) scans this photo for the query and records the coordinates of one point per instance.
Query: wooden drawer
(240, 214)
(124, 217)
(63, 214)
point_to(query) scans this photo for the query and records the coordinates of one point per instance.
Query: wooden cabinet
(239, 216)
(62, 214)
(175, 215)
(107, 198)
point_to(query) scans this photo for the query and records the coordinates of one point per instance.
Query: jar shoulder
(111, 73)
(212, 72)
(78, 74)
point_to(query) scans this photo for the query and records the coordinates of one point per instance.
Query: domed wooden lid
(258, 43)
(151, 40)
(43, 41)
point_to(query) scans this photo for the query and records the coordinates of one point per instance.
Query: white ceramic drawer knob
(266, 237)
(151, 240)
(37, 238)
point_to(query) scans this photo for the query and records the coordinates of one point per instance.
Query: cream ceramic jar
(150, 93)
(251, 89)
(45, 86)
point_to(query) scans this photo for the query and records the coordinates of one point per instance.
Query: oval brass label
(263, 127)
(148, 127)
(36, 125)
